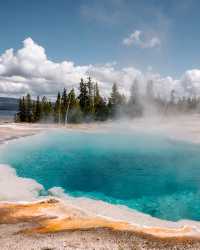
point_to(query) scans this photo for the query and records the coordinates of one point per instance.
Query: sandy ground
(57, 225)
(10, 131)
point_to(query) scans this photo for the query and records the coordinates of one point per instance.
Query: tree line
(89, 105)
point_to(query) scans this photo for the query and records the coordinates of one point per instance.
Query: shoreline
(157, 229)
(42, 223)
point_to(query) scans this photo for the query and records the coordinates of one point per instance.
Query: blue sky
(92, 31)
(157, 36)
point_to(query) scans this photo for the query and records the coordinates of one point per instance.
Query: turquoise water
(150, 173)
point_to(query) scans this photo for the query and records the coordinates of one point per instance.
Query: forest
(89, 105)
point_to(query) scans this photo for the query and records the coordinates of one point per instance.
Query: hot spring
(150, 173)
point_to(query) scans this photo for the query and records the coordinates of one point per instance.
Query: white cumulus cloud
(139, 39)
(29, 70)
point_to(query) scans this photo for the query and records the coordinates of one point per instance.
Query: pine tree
(57, 109)
(28, 108)
(21, 115)
(37, 113)
(84, 98)
(100, 105)
(64, 103)
(74, 114)
(46, 110)
(101, 110)
(97, 97)
(134, 107)
(91, 96)
(116, 102)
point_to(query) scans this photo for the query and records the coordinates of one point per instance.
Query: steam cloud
(29, 70)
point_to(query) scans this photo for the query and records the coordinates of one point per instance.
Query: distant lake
(7, 114)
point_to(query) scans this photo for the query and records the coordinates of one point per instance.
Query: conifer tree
(90, 96)
(97, 97)
(28, 108)
(84, 98)
(57, 109)
(74, 114)
(21, 115)
(100, 105)
(116, 101)
(64, 103)
(101, 110)
(134, 107)
(46, 109)
(37, 113)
